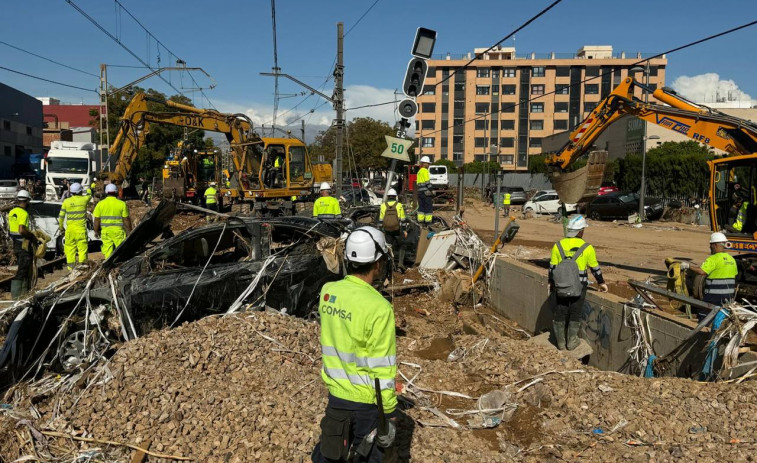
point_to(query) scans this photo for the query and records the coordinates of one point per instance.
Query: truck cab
(75, 161)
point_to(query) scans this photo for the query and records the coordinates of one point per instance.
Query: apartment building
(502, 105)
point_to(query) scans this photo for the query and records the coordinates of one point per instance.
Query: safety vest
(506, 201)
(210, 195)
(74, 212)
(17, 217)
(111, 211)
(587, 259)
(277, 162)
(358, 342)
(400, 210)
(738, 225)
(423, 179)
(326, 207)
(720, 284)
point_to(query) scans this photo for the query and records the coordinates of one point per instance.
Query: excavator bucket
(583, 184)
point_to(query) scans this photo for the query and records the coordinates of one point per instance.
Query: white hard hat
(365, 245)
(111, 188)
(426, 159)
(575, 225)
(212, 183)
(718, 237)
(75, 188)
(391, 192)
(23, 195)
(325, 186)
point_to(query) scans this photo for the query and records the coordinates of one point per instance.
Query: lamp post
(643, 189)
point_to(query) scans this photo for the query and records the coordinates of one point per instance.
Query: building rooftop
(75, 115)
(509, 53)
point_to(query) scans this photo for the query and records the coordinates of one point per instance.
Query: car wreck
(155, 280)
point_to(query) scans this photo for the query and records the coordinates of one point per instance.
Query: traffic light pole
(339, 105)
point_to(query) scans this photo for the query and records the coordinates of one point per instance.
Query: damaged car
(154, 280)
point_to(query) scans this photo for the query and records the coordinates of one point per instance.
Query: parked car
(8, 189)
(162, 283)
(517, 194)
(620, 205)
(541, 193)
(547, 204)
(438, 176)
(45, 216)
(361, 197)
(607, 187)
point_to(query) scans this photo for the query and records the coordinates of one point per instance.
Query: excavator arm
(702, 124)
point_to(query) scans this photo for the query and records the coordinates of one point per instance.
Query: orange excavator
(736, 137)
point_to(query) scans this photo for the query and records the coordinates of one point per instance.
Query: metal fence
(513, 179)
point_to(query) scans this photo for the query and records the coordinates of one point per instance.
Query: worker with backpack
(572, 257)
(393, 223)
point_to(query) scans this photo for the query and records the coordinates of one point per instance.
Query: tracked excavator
(733, 178)
(271, 175)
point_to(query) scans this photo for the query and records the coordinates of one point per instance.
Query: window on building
(481, 124)
(431, 72)
(562, 71)
(428, 107)
(482, 108)
(482, 72)
(507, 142)
(457, 139)
(589, 106)
(429, 90)
(445, 72)
(561, 107)
(445, 108)
(537, 89)
(536, 125)
(479, 157)
(459, 106)
(495, 89)
(508, 159)
(457, 156)
(534, 142)
(506, 124)
(508, 72)
(6, 125)
(28, 130)
(508, 108)
(417, 126)
(591, 89)
(653, 71)
(428, 124)
(537, 107)
(459, 86)
(458, 123)
(495, 73)
(561, 124)
(592, 71)
(562, 89)
(427, 142)
(537, 71)
(508, 89)
(482, 89)
(480, 142)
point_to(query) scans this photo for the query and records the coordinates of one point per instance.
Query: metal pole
(644, 152)
(390, 178)
(498, 202)
(339, 105)
(460, 187)
(302, 129)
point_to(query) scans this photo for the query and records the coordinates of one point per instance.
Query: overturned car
(150, 283)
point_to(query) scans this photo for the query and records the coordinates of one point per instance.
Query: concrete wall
(513, 179)
(520, 292)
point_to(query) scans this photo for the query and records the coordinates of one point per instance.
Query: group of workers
(111, 224)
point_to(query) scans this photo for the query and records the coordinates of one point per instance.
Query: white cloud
(710, 88)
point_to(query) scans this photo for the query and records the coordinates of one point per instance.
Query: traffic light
(407, 108)
(423, 46)
(416, 74)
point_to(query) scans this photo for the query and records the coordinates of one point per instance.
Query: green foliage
(673, 169)
(365, 136)
(451, 166)
(478, 167)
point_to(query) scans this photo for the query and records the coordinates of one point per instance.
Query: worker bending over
(23, 244)
(425, 194)
(358, 346)
(721, 271)
(73, 214)
(394, 223)
(112, 222)
(326, 207)
(568, 278)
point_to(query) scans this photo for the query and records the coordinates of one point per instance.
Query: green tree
(451, 166)
(478, 167)
(363, 144)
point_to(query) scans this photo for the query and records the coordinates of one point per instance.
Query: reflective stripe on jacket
(210, 195)
(720, 284)
(423, 179)
(506, 201)
(358, 342)
(326, 206)
(111, 211)
(74, 212)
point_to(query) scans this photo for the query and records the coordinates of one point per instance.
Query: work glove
(386, 440)
(685, 265)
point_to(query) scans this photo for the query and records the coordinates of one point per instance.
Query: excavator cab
(733, 199)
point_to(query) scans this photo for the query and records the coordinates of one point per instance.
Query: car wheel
(594, 215)
(529, 209)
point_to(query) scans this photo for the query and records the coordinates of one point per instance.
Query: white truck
(75, 161)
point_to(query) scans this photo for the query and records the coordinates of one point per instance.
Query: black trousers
(570, 309)
(397, 241)
(24, 261)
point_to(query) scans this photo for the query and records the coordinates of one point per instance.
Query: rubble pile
(247, 388)
(180, 222)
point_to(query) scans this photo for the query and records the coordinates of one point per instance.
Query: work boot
(559, 332)
(16, 289)
(573, 339)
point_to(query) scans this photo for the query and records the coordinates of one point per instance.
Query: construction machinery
(268, 174)
(188, 172)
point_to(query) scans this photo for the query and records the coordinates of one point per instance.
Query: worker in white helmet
(24, 242)
(359, 347)
(112, 221)
(721, 271)
(572, 257)
(394, 224)
(425, 194)
(326, 207)
(72, 223)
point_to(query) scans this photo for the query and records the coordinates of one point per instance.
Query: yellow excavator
(737, 137)
(269, 174)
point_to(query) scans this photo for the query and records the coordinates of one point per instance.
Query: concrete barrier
(520, 292)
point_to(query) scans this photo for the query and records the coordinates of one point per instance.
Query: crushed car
(154, 280)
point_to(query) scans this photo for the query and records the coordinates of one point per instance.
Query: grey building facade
(20, 127)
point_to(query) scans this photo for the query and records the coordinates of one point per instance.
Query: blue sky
(232, 41)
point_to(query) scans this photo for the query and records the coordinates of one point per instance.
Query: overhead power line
(373, 105)
(361, 18)
(48, 59)
(658, 55)
(48, 80)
